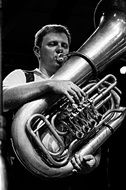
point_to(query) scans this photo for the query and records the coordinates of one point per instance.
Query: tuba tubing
(106, 43)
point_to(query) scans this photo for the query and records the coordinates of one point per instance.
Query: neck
(44, 72)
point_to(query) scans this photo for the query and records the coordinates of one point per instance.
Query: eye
(65, 45)
(52, 43)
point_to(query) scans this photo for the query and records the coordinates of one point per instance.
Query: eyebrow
(62, 42)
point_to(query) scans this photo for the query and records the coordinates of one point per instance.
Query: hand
(84, 164)
(68, 88)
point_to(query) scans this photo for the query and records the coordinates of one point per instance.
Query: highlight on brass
(123, 70)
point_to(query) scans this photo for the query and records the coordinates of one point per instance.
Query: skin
(16, 96)
(52, 45)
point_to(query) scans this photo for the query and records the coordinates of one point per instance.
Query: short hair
(56, 28)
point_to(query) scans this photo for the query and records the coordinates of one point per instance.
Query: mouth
(61, 58)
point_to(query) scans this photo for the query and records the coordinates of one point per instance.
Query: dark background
(20, 21)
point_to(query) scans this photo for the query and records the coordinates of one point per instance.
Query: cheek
(67, 51)
(45, 54)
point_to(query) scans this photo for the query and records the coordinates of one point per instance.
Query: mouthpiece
(61, 58)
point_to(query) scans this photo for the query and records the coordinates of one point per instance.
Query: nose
(59, 49)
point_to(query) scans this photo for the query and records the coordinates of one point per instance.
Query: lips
(61, 58)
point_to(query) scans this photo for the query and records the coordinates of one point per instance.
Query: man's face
(52, 45)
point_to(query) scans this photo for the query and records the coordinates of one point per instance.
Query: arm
(18, 95)
(15, 95)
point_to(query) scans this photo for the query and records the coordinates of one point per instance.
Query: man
(52, 43)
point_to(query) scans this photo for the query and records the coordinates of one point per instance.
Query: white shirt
(17, 77)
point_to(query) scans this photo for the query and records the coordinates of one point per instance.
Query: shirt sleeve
(15, 78)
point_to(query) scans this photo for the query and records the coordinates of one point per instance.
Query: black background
(20, 21)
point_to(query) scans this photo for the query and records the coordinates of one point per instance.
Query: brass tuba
(46, 133)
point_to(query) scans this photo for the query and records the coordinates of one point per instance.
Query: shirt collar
(39, 73)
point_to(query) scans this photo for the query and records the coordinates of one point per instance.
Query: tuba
(46, 133)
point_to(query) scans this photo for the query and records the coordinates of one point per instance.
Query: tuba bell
(46, 133)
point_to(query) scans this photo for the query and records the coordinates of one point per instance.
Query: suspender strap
(29, 75)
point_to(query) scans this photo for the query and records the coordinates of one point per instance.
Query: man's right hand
(68, 88)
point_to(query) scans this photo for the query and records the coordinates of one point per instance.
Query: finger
(78, 160)
(90, 160)
(75, 95)
(70, 98)
(88, 157)
(74, 163)
(79, 93)
(79, 89)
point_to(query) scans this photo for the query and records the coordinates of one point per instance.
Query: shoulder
(14, 78)
(16, 72)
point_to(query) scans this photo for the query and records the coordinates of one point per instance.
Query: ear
(36, 50)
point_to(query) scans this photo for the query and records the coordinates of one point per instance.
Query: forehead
(55, 37)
